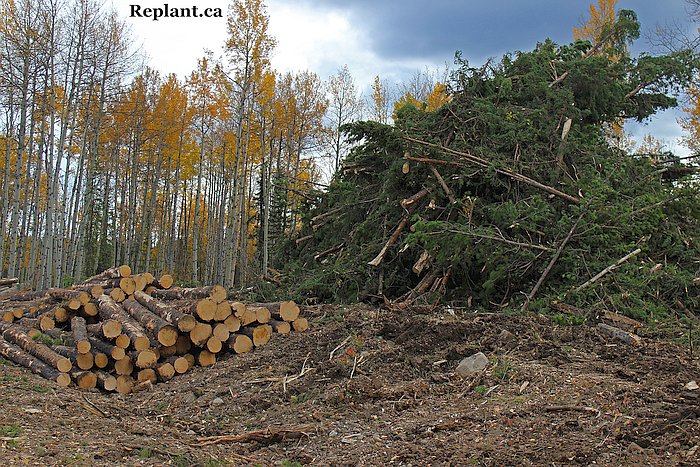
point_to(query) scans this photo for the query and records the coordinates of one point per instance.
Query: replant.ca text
(166, 11)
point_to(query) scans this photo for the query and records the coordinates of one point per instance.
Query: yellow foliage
(435, 99)
(691, 123)
(602, 17)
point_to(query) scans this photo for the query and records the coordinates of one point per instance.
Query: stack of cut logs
(123, 332)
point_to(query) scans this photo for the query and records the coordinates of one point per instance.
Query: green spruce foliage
(540, 114)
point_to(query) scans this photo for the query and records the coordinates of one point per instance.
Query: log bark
(165, 333)
(619, 334)
(37, 366)
(111, 273)
(69, 296)
(392, 240)
(178, 293)
(80, 334)
(9, 281)
(24, 295)
(111, 310)
(115, 352)
(185, 322)
(19, 337)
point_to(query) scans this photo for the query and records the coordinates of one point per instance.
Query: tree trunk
(184, 322)
(20, 357)
(137, 335)
(17, 336)
(165, 332)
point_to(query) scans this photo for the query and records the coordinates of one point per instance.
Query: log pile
(123, 332)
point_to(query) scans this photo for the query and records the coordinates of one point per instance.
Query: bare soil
(365, 386)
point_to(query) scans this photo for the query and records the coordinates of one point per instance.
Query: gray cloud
(416, 29)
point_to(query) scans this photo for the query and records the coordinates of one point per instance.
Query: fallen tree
(512, 194)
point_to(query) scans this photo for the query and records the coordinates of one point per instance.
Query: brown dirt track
(552, 395)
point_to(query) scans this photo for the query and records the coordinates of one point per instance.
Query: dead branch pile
(122, 332)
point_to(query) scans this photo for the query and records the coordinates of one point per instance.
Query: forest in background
(102, 164)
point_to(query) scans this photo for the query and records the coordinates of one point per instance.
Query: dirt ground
(365, 386)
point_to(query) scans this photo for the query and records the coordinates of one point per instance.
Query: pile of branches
(514, 194)
(125, 332)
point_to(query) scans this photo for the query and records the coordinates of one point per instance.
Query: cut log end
(63, 380)
(240, 343)
(206, 309)
(218, 293)
(125, 384)
(206, 358)
(85, 379)
(165, 281)
(167, 335)
(300, 324)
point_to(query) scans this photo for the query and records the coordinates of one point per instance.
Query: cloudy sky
(390, 38)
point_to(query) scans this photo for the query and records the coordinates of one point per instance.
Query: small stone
(635, 448)
(692, 386)
(471, 365)
(217, 401)
(507, 340)
(189, 397)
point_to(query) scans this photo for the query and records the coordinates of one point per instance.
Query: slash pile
(123, 332)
